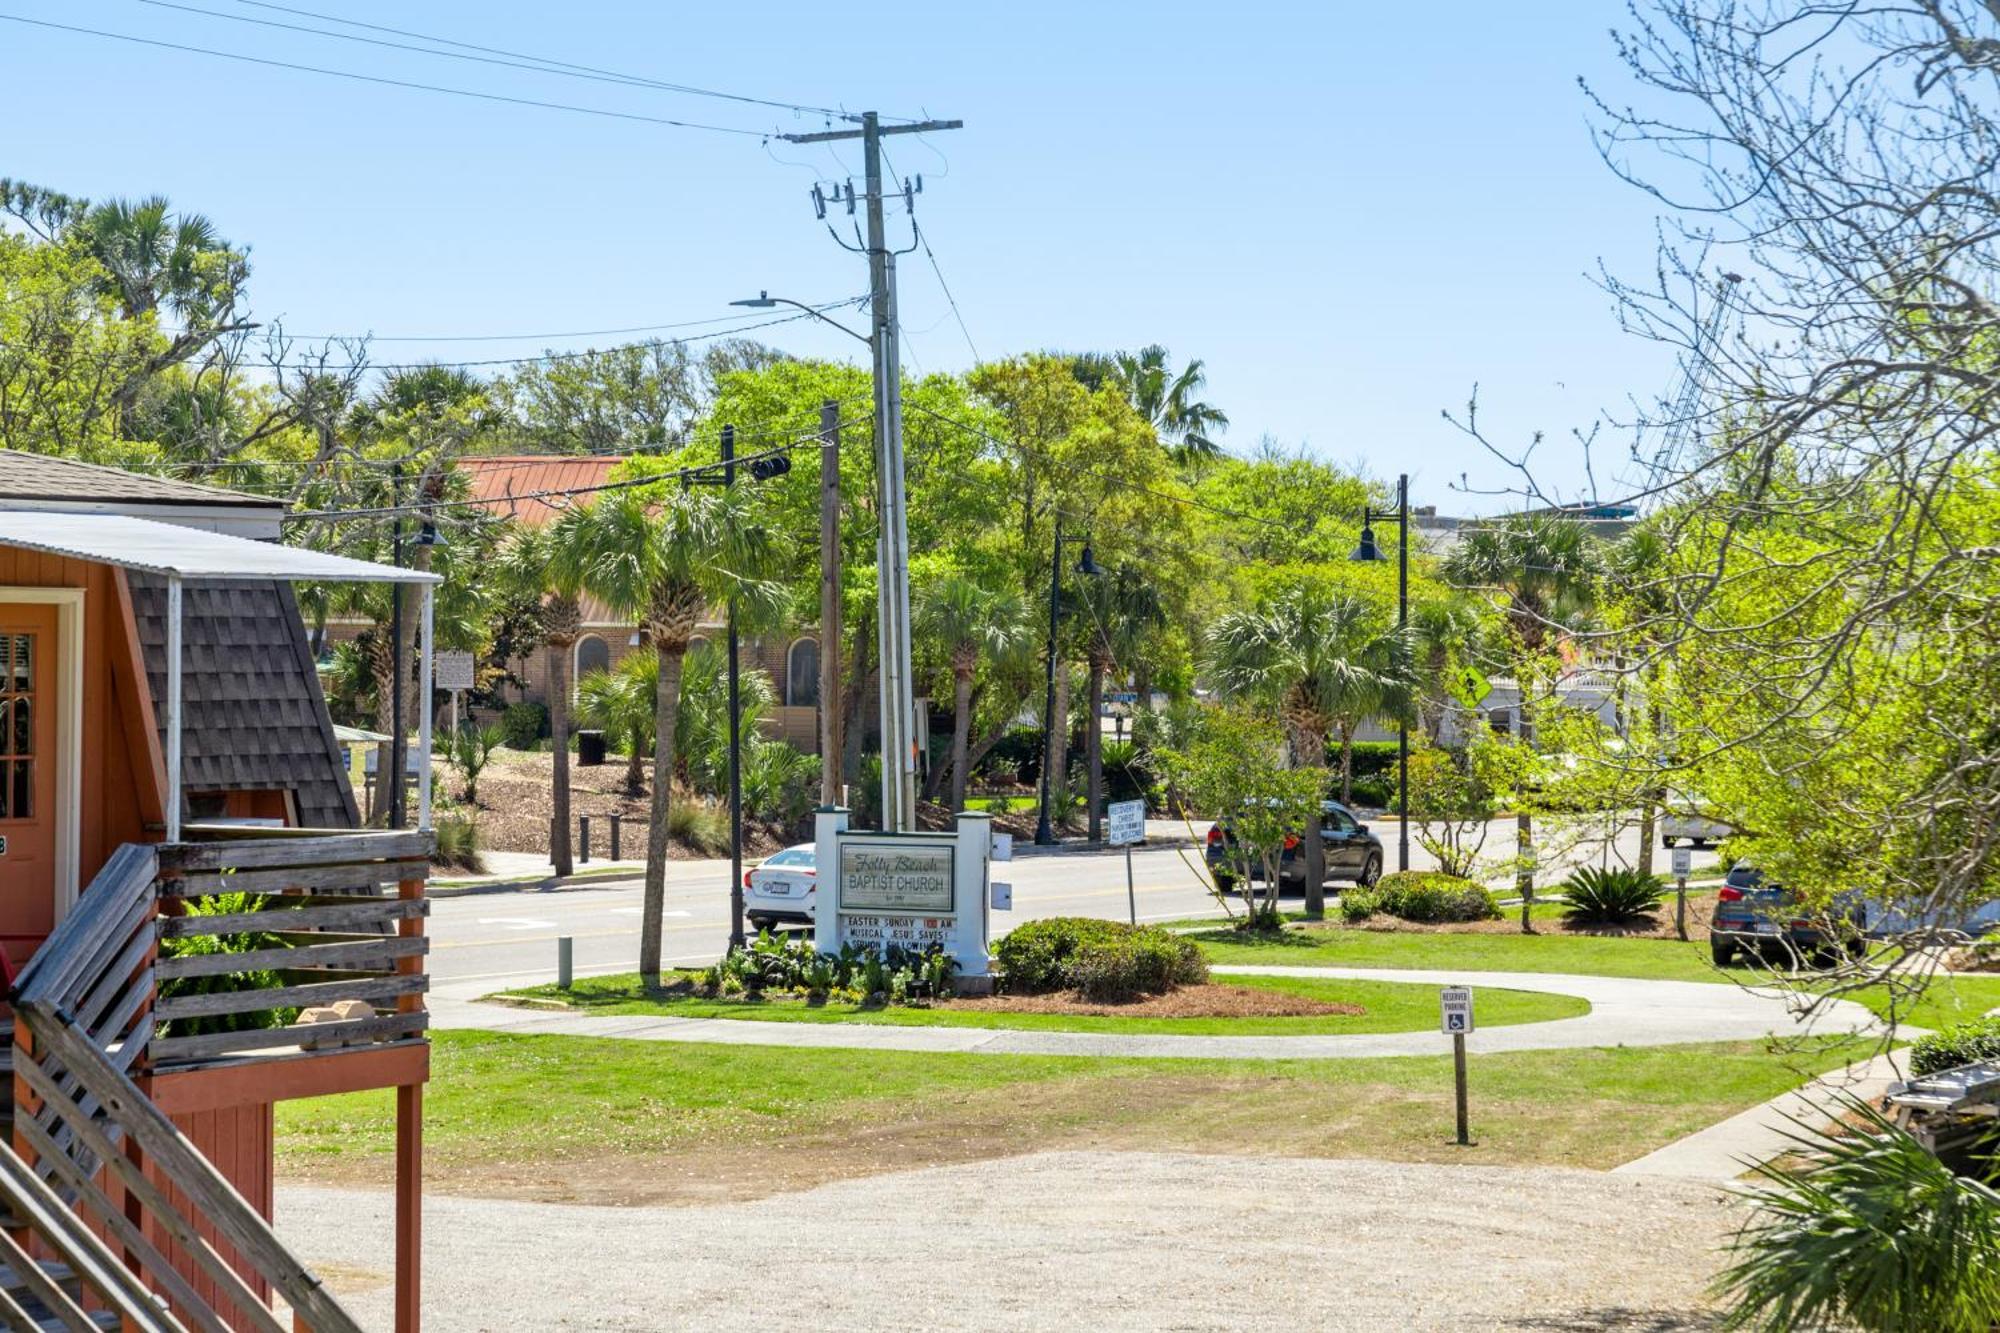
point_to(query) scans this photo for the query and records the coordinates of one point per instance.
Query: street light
(1368, 551)
(1045, 834)
(766, 301)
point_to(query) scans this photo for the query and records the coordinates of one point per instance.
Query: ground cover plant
(1607, 895)
(619, 1121)
(1241, 1006)
(1959, 1044)
(1420, 895)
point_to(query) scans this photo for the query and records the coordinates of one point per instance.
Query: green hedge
(1424, 896)
(1105, 960)
(1959, 1044)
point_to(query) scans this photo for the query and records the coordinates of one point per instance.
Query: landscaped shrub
(187, 946)
(1105, 960)
(792, 965)
(1602, 895)
(457, 843)
(1430, 898)
(1959, 1044)
(524, 725)
(1358, 904)
(698, 825)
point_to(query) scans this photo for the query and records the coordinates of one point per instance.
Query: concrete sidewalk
(1624, 1012)
(521, 870)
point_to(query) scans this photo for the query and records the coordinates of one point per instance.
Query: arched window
(802, 674)
(592, 654)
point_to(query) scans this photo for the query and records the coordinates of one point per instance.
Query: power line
(504, 59)
(385, 81)
(945, 287)
(523, 337)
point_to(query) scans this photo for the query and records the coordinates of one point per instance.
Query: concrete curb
(447, 888)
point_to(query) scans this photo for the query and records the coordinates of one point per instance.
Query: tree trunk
(1524, 832)
(1142, 685)
(666, 716)
(1346, 765)
(635, 765)
(1058, 754)
(857, 693)
(961, 735)
(559, 839)
(1093, 750)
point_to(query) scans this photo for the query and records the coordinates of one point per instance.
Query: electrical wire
(523, 337)
(535, 64)
(385, 81)
(945, 287)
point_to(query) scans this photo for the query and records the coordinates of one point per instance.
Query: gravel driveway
(1104, 1241)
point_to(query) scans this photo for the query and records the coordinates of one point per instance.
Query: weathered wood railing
(60, 1274)
(148, 953)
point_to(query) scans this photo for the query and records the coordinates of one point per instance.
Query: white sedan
(781, 888)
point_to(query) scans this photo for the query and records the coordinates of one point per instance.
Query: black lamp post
(1368, 550)
(1045, 834)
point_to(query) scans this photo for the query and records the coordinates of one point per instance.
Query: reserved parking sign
(1455, 1003)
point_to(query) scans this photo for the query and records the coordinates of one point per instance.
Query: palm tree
(1328, 662)
(1442, 630)
(1123, 609)
(619, 702)
(1542, 566)
(662, 560)
(527, 565)
(968, 621)
(1185, 424)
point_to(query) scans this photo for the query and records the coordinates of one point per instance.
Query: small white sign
(1003, 896)
(1127, 820)
(1455, 1003)
(453, 670)
(1683, 861)
(1003, 846)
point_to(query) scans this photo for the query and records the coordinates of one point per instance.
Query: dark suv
(1352, 852)
(1757, 917)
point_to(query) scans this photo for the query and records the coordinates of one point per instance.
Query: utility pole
(899, 754)
(736, 939)
(829, 604)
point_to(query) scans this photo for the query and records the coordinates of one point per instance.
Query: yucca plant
(1860, 1226)
(1606, 896)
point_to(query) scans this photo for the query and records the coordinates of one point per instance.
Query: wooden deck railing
(332, 917)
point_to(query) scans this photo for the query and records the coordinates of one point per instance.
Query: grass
(1390, 1007)
(1000, 804)
(633, 1121)
(1947, 999)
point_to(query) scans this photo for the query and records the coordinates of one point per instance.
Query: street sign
(1127, 821)
(453, 670)
(1469, 686)
(1455, 1005)
(1683, 861)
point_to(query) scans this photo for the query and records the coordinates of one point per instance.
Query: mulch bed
(514, 808)
(1208, 1000)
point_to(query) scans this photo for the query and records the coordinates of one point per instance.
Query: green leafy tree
(1122, 612)
(969, 622)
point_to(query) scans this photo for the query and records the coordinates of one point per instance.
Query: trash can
(589, 748)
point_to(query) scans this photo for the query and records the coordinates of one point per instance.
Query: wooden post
(1458, 1070)
(1681, 906)
(409, 1151)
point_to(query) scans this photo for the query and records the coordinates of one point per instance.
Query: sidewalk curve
(1624, 1012)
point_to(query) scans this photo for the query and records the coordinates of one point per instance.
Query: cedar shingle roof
(253, 718)
(25, 476)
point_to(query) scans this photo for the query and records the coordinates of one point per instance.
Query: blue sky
(1351, 213)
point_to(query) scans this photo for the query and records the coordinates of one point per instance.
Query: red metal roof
(510, 482)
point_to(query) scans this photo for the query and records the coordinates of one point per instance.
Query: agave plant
(1864, 1228)
(1605, 896)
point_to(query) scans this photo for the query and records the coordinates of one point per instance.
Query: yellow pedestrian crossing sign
(1468, 685)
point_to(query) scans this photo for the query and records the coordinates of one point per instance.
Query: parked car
(1754, 916)
(781, 888)
(1352, 852)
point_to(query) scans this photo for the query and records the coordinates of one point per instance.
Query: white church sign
(914, 890)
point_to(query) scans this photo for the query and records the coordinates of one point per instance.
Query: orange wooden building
(182, 883)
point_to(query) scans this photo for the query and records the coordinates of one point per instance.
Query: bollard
(616, 821)
(565, 968)
(583, 826)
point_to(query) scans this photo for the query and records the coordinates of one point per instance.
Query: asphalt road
(488, 941)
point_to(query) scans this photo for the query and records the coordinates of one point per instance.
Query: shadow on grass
(1618, 1319)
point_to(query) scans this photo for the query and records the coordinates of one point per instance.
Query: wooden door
(29, 677)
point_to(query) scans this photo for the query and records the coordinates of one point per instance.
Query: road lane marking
(518, 922)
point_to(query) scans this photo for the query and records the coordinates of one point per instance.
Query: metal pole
(1131, 894)
(735, 735)
(899, 756)
(829, 604)
(1403, 627)
(565, 961)
(616, 820)
(583, 837)
(1045, 834)
(174, 653)
(398, 746)
(426, 676)
(1458, 1073)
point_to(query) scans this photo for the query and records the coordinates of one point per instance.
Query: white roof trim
(191, 553)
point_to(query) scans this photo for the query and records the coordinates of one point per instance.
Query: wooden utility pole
(829, 604)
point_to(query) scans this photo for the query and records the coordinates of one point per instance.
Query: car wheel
(760, 923)
(1225, 881)
(1722, 951)
(1371, 870)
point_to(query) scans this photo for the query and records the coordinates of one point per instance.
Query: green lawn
(1948, 999)
(1389, 1007)
(635, 1121)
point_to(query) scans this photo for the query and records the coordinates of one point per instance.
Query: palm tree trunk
(857, 692)
(1059, 751)
(1346, 764)
(635, 764)
(559, 845)
(1314, 847)
(1524, 831)
(1093, 749)
(666, 716)
(961, 735)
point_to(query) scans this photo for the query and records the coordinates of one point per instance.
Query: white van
(1685, 822)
